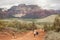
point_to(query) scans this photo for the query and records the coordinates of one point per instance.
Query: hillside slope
(50, 18)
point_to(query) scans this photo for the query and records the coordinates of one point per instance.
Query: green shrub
(20, 26)
(56, 25)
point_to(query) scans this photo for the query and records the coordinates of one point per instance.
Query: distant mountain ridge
(27, 11)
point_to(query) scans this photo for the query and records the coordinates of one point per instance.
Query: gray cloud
(47, 4)
(53, 4)
(54, 1)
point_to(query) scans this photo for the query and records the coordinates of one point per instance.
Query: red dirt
(27, 36)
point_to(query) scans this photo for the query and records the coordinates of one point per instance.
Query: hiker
(13, 35)
(35, 33)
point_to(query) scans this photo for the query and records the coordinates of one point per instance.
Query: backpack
(37, 33)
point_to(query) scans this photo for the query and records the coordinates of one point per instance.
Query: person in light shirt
(35, 33)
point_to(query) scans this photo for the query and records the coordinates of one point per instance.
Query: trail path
(27, 36)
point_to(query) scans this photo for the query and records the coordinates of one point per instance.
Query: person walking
(35, 32)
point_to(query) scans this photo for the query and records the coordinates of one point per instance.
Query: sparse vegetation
(55, 26)
(54, 33)
(17, 25)
(47, 27)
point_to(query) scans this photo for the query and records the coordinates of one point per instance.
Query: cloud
(52, 4)
(54, 1)
(46, 4)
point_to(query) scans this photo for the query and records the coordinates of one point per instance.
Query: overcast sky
(46, 4)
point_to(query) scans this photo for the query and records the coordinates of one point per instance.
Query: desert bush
(17, 25)
(31, 26)
(47, 27)
(3, 24)
(52, 35)
(56, 25)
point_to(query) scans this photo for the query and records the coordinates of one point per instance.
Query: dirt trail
(27, 36)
